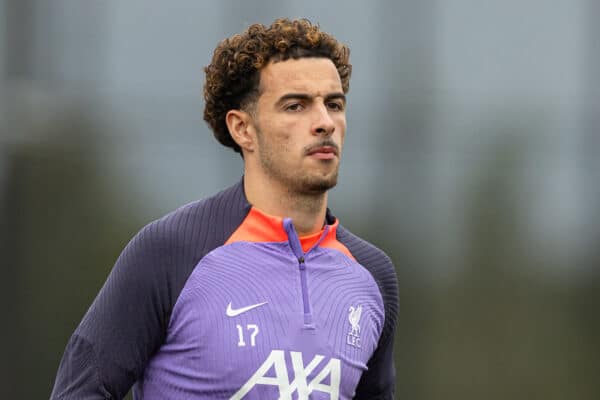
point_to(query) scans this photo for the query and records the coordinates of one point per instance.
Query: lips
(323, 153)
(323, 150)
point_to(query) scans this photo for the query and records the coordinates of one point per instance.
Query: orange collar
(259, 227)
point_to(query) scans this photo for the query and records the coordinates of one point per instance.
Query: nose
(323, 123)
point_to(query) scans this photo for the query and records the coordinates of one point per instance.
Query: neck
(307, 211)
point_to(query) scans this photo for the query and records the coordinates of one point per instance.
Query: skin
(292, 140)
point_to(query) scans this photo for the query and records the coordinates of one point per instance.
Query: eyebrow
(304, 96)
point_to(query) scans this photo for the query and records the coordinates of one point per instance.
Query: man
(256, 292)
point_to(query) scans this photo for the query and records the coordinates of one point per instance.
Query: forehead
(315, 76)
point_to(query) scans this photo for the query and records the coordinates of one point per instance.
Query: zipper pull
(301, 263)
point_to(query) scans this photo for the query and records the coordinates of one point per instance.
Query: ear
(241, 129)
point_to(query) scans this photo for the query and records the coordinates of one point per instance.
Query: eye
(335, 105)
(294, 107)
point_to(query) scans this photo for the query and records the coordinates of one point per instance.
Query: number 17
(249, 327)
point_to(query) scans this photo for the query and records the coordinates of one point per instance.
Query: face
(300, 122)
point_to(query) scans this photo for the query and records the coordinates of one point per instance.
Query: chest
(271, 325)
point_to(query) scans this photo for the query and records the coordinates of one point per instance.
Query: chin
(318, 185)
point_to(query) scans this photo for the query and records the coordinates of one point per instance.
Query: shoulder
(162, 255)
(200, 226)
(379, 379)
(129, 318)
(367, 254)
(379, 264)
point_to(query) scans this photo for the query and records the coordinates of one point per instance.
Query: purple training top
(220, 301)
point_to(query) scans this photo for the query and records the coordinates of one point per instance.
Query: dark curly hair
(233, 76)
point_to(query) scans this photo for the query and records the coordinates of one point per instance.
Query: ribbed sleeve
(128, 320)
(378, 382)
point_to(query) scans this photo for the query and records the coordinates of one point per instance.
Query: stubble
(299, 182)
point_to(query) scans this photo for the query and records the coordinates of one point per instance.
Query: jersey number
(249, 327)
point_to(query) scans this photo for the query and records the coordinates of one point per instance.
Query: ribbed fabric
(378, 382)
(128, 320)
(160, 321)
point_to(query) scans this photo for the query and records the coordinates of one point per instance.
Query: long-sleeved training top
(218, 300)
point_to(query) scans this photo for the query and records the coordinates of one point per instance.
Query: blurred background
(470, 158)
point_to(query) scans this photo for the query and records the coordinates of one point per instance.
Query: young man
(256, 292)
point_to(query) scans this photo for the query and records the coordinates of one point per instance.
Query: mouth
(323, 152)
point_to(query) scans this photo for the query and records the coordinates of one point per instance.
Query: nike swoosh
(234, 313)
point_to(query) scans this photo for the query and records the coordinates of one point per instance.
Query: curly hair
(233, 76)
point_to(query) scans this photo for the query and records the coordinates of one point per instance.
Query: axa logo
(327, 380)
(353, 337)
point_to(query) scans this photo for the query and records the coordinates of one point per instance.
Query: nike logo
(235, 312)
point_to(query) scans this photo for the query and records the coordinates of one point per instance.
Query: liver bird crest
(354, 318)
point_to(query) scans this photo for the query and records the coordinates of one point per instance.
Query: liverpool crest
(353, 338)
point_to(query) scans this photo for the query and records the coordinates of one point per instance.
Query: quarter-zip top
(228, 302)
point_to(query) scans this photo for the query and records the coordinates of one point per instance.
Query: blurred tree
(502, 329)
(62, 231)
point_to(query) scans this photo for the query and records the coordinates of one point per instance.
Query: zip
(308, 320)
(300, 256)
